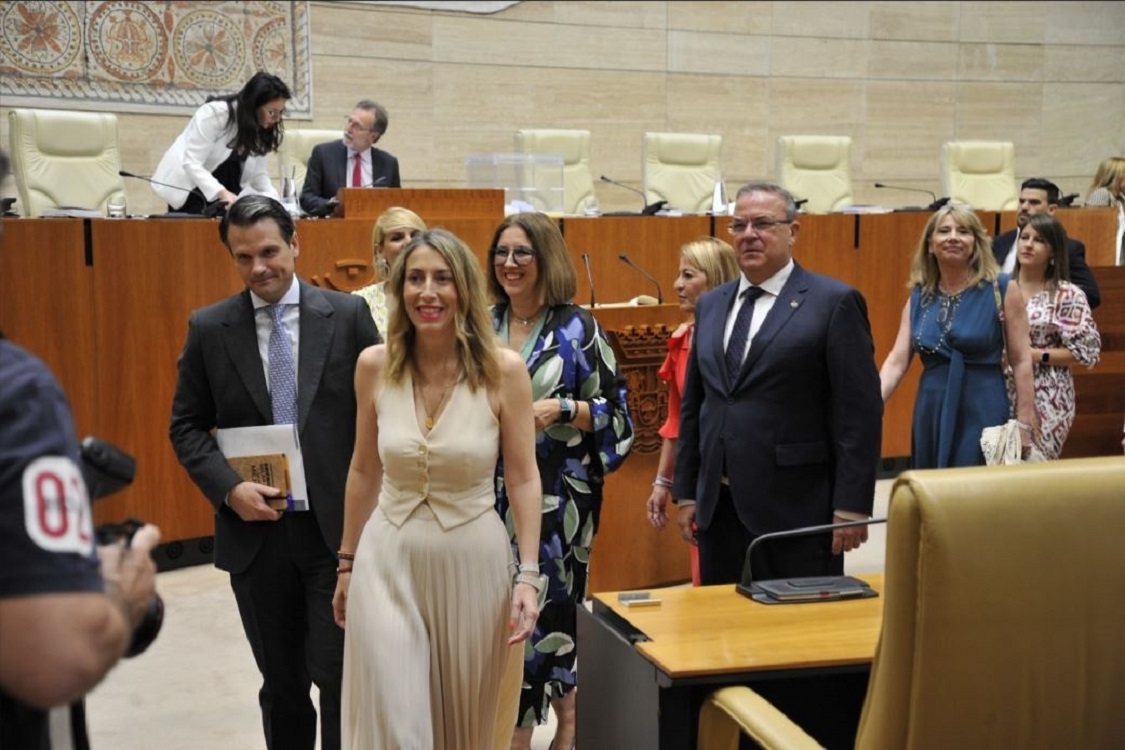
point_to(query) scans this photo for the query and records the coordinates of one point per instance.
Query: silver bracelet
(661, 481)
(531, 567)
(534, 580)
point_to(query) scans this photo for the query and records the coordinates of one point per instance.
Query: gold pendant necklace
(431, 414)
(525, 322)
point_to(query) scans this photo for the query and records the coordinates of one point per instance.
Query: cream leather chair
(981, 174)
(681, 168)
(816, 168)
(574, 147)
(63, 158)
(1002, 623)
(296, 148)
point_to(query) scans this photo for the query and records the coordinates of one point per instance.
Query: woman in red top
(705, 263)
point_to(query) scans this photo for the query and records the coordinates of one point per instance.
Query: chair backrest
(816, 168)
(574, 147)
(1002, 625)
(296, 148)
(681, 168)
(63, 158)
(980, 173)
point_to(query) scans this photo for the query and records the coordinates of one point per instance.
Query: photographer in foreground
(64, 622)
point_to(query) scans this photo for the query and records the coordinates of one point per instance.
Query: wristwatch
(1045, 356)
(568, 410)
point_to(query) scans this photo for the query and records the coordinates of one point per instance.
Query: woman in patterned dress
(583, 432)
(1061, 325)
(393, 229)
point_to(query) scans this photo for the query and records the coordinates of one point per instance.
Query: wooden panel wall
(105, 304)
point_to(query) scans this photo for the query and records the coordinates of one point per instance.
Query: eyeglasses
(521, 255)
(351, 122)
(759, 226)
(276, 114)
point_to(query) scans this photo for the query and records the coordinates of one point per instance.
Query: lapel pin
(794, 303)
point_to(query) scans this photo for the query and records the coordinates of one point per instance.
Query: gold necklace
(431, 414)
(526, 322)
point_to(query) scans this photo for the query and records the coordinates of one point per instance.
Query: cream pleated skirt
(426, 660)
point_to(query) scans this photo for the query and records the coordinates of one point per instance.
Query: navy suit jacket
(222, 383)
(327, 172)
(1080, 273)
(799, 432)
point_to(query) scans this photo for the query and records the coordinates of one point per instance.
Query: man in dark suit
(1038, 196)
(351, 162)
(279, 352)
(781, 417)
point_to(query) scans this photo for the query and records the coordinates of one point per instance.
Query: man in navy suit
(282, 565)
(1039, 196)
(781, 418)
(351, 162)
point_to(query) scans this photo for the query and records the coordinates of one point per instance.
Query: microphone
(827, 587)
(628, 261)
(589, 277)
(212, 209)
(797, 204)
(375, 183)
(649, 209)
(935, 203)
(1068, 199)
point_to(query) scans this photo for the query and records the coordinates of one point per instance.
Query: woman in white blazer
(223, 149)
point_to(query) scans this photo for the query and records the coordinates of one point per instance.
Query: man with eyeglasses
(781, 415)
(352, 161)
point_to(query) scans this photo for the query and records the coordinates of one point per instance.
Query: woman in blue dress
(583, 432)
(953, 321)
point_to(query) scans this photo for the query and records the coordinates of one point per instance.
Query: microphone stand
(629, 262)
(935, 202)
(649, 209)
(212, 209)
(589, 277)
(826, 586)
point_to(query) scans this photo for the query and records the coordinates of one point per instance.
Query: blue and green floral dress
(567, 355)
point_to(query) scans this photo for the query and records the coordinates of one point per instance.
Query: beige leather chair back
(681, 168)
(63, 158)
(574, 147)
(816, 168)
(981, 174)
(1004, 621)
(296, 148)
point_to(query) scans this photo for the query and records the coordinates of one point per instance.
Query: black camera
(107, 469)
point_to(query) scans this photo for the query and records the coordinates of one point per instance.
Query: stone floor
(196, 687)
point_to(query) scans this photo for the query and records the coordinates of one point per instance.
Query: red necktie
(357, 172)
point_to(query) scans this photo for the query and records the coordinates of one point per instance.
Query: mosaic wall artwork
(132, 56)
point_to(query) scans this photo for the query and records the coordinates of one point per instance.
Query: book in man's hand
(270, 470)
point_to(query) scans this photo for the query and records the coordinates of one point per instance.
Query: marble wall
(900, 78)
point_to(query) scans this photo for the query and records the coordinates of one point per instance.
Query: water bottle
(289, 192)
(719, 198)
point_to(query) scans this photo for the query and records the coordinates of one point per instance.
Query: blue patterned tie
(283, 375)
(736, 346)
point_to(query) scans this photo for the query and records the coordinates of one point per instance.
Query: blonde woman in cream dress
(425, 590)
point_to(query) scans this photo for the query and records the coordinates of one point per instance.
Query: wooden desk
(646, 671)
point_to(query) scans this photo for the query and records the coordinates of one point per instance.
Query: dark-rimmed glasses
(521, 255)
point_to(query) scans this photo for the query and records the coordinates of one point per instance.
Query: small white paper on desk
(265, 441)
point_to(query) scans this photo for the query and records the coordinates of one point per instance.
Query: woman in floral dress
(1061, 325)
(583, 433)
